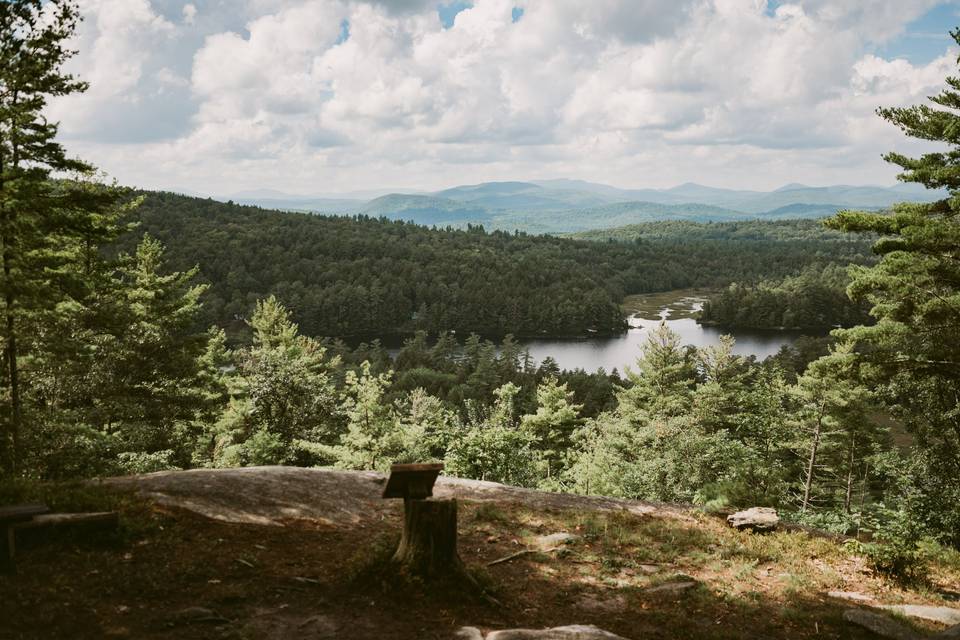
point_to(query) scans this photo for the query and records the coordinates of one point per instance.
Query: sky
(333, 96)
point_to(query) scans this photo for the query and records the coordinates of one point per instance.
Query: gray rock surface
(880, 624)
(273, 495)
(851, 595)
(554, 540)
(943, 615)
(574, 632)
(755, 519)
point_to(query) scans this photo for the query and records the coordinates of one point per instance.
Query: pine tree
(914, 348)
(551, 428)
(43, 224)
(833, 411)
(283, 403)
(665, 377)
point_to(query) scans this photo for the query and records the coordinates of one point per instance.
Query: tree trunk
(10, 444)
(850, 468)
(428, 547)
(811, 464)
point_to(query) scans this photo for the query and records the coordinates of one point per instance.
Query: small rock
(555, 540)
(755, 519)
(573, 632)
(649, 568)
(194, 615)
(672, 587)
(469, 633)
(943, 615)
(851, 595)
(879, 624)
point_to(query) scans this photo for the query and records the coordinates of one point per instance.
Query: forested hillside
(816, 299)
(374, 277)
(811, 231)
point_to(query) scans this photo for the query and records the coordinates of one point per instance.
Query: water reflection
(619, 352)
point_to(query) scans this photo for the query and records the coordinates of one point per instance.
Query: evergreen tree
(551, 428)
(44, 225)
(283, 400)
(664, 380)
(914, 293)
(833, 412)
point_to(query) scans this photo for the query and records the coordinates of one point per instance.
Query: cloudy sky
(327, 96)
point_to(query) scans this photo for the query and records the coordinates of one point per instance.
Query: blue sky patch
(448, 12)
(516, 14)
(344, 31)
(927, 37)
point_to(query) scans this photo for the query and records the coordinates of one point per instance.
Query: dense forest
(362, 276)
(111, 365)
(813, 233)
(816, 299)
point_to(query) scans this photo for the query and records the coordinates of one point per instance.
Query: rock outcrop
(755, 519)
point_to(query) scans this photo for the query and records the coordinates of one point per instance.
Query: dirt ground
(294, 553)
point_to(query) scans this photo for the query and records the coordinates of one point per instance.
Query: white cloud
(634, 92)
(189, 13)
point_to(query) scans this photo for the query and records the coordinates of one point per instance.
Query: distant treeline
(360, 276)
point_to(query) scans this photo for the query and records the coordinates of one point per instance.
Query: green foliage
(815, 299)
(913, 350)
(364, 276)
(281, 394)
(489, 445)
(49, 230)
(897, 551)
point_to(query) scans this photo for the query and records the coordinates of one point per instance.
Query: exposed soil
(293, 553)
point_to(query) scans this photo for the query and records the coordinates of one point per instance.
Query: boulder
(755, 519)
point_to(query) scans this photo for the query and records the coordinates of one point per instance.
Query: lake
(677, 309)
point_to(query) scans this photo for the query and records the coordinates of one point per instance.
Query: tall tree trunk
(7, 240)
(812, 462)
(850, 456)
(11, 439)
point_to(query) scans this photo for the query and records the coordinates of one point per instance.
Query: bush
(897, 551)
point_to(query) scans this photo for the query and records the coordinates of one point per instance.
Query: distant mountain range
(559, 206)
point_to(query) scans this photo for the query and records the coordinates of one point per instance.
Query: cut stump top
(412, 481)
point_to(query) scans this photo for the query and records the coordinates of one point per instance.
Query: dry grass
(299, 580)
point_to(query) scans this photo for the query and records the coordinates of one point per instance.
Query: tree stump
(428, 546)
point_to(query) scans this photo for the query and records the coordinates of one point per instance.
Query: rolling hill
(565, 206)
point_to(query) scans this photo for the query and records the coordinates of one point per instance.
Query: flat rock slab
(755, 519)
(851, 595)
(274, 495)
(103, 519)
(573, 632)
(555, 540)
(943, 615)
(880, 624)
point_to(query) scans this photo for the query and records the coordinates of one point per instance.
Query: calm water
(618, 352)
